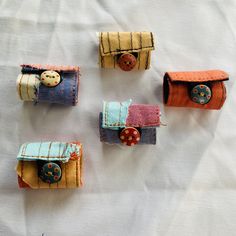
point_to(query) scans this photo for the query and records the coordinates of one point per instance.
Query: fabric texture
(27, 167)
(143, 115)
(30, 88)
(65, 93)
(115, 114)
(27, 86)
(111, 44)
(122, 114)
(185, 184)
(48, 151)
(198, 76)
(177, 88)
(111, 136)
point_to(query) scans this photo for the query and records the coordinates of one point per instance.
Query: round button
(50, 78)
(127, 61)
(130, 136)
(201, 94)
(50, 173)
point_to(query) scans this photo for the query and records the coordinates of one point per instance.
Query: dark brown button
(127, 61)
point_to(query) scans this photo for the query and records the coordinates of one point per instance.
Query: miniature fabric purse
(127, 123)
(197, 89)
(127, 50)
(53, 84)
(50, 165)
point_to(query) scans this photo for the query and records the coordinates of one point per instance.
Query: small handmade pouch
(129, 124)
(198, 89)
(50, 165)
(53, 84)
(126, 50)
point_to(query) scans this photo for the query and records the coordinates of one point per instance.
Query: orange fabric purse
(197, 89)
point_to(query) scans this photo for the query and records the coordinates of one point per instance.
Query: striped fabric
(48, 151)
(27, 86)
(69, 154)
(115, 114)
(112, 44)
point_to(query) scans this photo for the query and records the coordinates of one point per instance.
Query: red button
(130, 136)
(127, 61)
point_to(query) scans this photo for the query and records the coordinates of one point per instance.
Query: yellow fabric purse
(137, 47)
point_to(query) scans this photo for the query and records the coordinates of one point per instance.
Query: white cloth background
(184, 185)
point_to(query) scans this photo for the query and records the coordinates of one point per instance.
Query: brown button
(130, 136)
(127, 61)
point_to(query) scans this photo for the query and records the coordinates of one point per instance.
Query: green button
(201, 94)
(50, 173)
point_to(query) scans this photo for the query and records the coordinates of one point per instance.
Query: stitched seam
(43, 156)
(107, 117)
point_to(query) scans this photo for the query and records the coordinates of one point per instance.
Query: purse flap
(49, 151)
(124, 114)
(143, 115)
(115, 114)
(197, 76)
(113, 43)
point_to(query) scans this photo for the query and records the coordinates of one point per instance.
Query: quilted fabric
(115, 114)
(148, 135)
(122, 114)
(48, 151)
